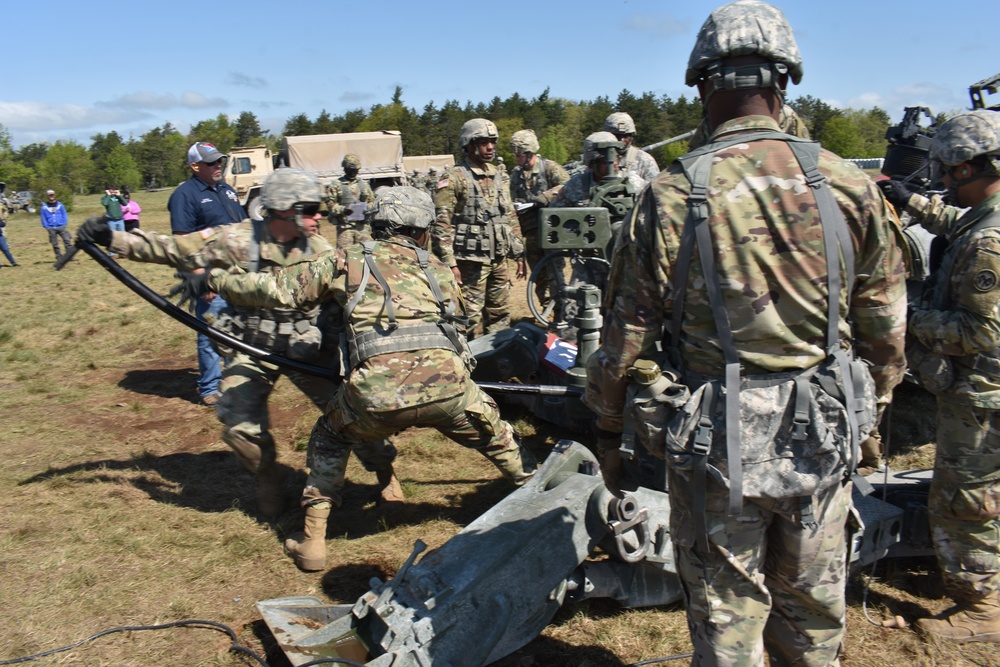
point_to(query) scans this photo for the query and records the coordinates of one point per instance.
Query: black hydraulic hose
(191, 321)
(225, 339)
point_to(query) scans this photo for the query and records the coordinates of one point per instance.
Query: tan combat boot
(308, 548)
(871, 456)
(390, 490)
(977, 622)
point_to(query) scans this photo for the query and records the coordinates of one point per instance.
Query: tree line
(157, 158)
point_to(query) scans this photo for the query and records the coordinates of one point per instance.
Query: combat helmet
(286, 187)
(477, 128)
(401, 206)
(744, 28)
(594, 143)
(524, 141)
(351, 161)
(966, 136)
(619, 123)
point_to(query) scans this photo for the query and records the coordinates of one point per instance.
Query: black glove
(191, 286)
(896, 192)
(95, 230)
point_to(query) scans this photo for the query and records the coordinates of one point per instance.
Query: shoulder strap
(371, 269)
(253, 266)
(697, 166)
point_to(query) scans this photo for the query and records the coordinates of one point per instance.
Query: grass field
(121, 506)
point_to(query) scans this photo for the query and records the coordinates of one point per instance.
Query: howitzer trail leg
(308, 548)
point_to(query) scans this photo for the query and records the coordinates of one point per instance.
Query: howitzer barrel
(671, 140)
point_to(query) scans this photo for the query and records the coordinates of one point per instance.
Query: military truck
(381, 156)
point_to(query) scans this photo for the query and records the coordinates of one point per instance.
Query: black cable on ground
(234, 646)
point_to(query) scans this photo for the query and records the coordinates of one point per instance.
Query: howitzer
(671, 140)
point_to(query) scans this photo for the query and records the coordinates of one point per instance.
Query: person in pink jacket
(130, 211)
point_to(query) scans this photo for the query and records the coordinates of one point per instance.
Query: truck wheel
(255, 209)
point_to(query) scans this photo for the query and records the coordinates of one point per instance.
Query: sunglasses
(308, 209)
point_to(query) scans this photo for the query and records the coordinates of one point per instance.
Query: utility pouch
(796, 435)
(652, 399)
(304, 341)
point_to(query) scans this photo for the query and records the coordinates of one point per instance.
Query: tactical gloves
(191, 287)
(95, 230)
(896, 193)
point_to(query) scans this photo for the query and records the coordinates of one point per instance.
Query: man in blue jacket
(54, 220)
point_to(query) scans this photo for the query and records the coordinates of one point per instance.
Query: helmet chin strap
(745, 77)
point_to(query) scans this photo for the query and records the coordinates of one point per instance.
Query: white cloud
(355, 96)
(936, 97)
(38, 116)
(241, 79)
(148, 100)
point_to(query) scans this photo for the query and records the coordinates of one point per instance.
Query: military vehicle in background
(381, 156)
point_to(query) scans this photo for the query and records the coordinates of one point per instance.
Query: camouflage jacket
(962, 313)
(543, 175)
(640, 163)
(342, 192)
(475, 219)
(227, 247)
(772, 269)
(932, 213)
(382, 382)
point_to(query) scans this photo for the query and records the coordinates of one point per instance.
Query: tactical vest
(390, 337)
(482, 228)
(523, 191)
(279, 330)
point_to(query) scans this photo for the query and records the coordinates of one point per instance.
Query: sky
(76, 69)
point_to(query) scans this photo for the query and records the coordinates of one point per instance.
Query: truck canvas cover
(423, 163)
(381, 153)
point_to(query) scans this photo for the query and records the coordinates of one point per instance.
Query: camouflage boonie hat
(477, 128)
(619, 123)
(965, 136)
(402, 206)
(351, 160)
(287, 187)
(743, 28)
(589, 150)
(524, 141)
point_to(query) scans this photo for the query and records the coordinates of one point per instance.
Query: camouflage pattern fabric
(525, 184)
(344, 189)
(385, 392)
(963, 322)
(966, 323)
(453, 193)
(964, 501)
(487, 293)
(640, 163)
(471, 419)
(932, 212)
(772, 269)
(247, 383)
(486, 290)
(745, 27)
(788, 121)
(766, 580)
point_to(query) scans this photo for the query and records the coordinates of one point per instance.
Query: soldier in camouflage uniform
(430, 185)
(347, 198)
(409, 363)
(477, 229)
(286, 236)
(532, 176)
(959, 324)
(631, 158)
(760, 574)
(417, 180)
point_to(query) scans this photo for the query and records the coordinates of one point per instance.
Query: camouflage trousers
(767, 583)
(246, 385)
(486, 290)
(471, 419)
(964, 501)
